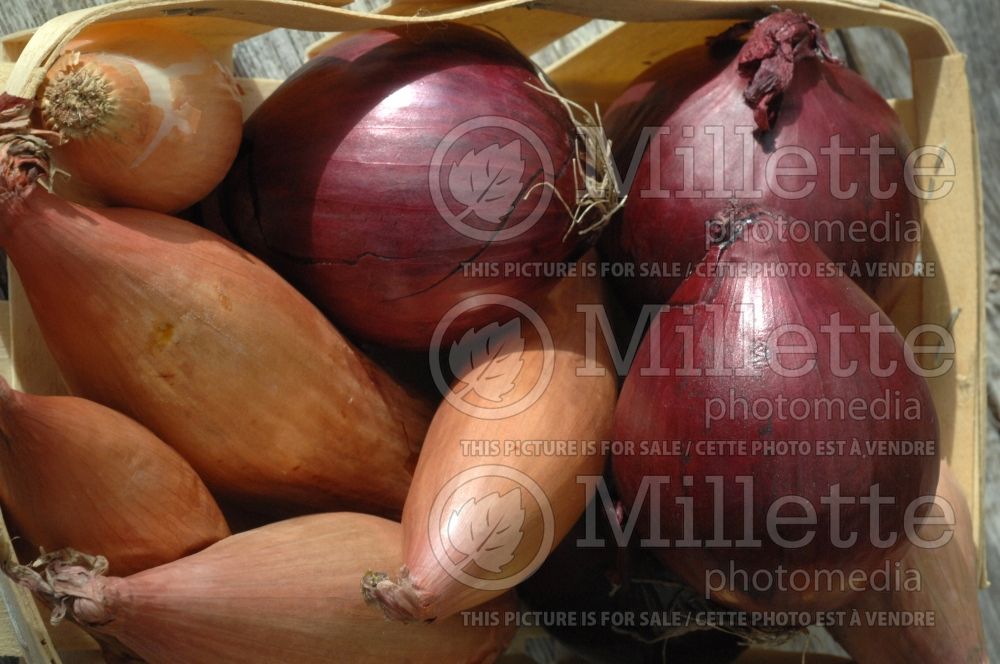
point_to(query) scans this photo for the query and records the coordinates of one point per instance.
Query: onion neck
(73, 584)
(79, 100)
(731, 223)
(768, 59)
(24, 162)
(399, 600)
(13, 108)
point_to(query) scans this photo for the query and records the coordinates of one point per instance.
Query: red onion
(766, 363)
(779, 101)
(385, 166)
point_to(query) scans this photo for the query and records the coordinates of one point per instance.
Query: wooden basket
(939, 114)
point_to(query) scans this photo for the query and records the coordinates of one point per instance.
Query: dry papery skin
(146, 117)
(707, 325)
(739, 104)
(331, 183)
(209, 348)
(284, 592)
(572, 407)
(949, 588)
(76, 474)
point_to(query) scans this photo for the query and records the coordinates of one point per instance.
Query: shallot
(497, 485)
(209, 348)
(76, 474)
(945, 624)
(286, 592)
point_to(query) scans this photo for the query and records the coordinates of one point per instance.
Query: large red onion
(732, 107)
(758, 389)
(383, 166)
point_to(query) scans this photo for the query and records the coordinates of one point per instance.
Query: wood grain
(971, 24)
(8, 642)
(878, 54)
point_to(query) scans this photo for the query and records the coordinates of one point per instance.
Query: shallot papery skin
(402, 171)
(949, 596)
(758, 123)
(286, 592)
(747, 362)
(524, 498)
(208, 347)
(76, 474)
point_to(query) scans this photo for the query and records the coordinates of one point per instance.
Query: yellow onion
(76, 474)
(208, 347)
(948, 592)
(489, 500)
(286, 592)
(148, 117)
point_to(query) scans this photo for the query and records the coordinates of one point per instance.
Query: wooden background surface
(878, 55)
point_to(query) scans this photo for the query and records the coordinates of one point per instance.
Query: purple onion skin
(332, 184)
(673, 408)
(703, 86)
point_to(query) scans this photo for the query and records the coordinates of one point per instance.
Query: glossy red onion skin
(673, 408)
(702, 87)
(344, 211)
